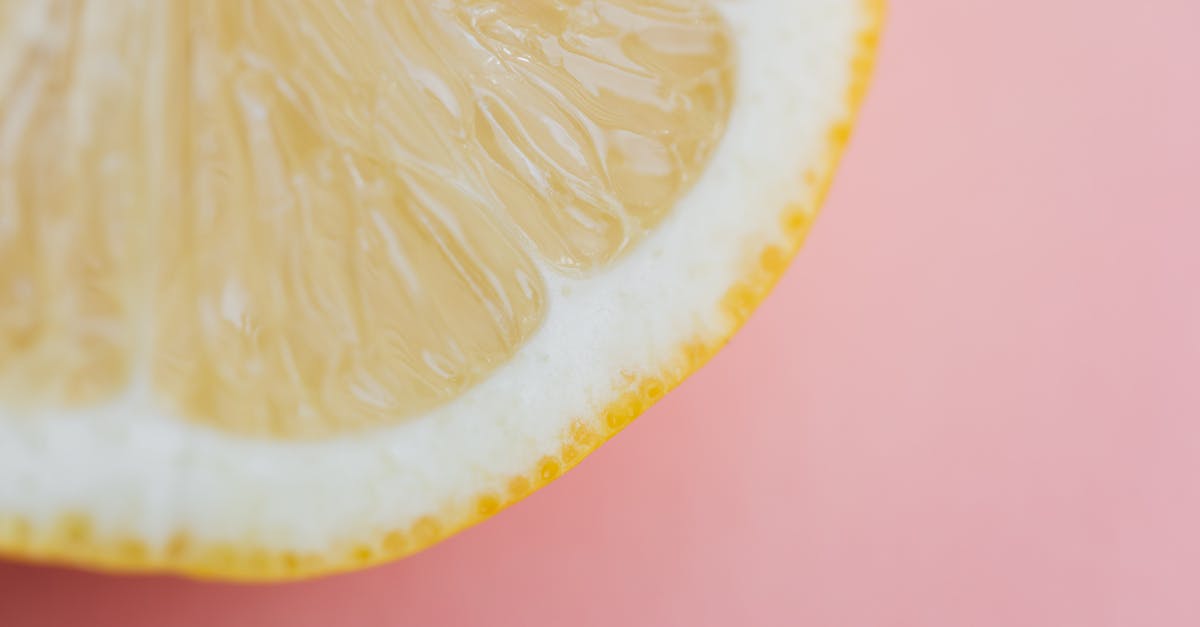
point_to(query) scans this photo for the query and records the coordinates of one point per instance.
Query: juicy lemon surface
(296, 218)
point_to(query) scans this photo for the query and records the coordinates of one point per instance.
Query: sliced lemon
(289, 287)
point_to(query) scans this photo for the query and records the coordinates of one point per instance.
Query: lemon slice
(291, 287)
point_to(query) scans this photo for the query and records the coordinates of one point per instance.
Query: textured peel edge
(71, 542)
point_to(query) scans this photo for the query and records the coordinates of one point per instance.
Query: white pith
(136, 473)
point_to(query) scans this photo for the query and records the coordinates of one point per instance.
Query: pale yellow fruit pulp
(297, 218)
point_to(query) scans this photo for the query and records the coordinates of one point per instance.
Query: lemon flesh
(303, 218)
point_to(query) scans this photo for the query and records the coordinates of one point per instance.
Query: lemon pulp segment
(298, 218)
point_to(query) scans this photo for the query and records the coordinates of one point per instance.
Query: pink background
(974, 400)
